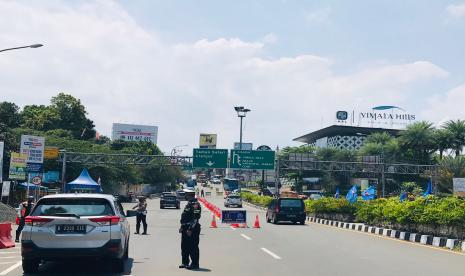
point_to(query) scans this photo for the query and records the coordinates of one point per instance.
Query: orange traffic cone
(213, 224)
(257, 223)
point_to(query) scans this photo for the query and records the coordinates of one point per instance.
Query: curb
(441, 242)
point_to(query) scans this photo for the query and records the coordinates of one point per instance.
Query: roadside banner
(352, 194)
(2, 145)
(33, 146)
(459, 186)
(6, 188)
(18, 166)
(369, 193)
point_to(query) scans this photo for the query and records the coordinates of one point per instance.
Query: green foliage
(419, 138)
(263, 201)
(329, 205)
(430, 210)
(9, 114)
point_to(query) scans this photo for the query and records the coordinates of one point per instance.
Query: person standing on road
(24, 211)
(202, 193)
(141, 209)
(190, 234)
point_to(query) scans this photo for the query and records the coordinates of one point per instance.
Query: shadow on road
(81, 267)
(202, 270)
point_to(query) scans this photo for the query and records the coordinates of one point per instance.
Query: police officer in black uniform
(190, 234)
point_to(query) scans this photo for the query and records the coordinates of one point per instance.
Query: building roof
(343, 131)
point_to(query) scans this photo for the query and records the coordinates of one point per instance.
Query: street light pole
(241, 113)
(22, 47)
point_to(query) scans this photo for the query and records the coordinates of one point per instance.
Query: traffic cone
(257, 223)
(213, 224)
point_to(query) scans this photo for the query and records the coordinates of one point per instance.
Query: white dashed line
(271, 253)
(246, 237)
(233, 228)
(11, 268)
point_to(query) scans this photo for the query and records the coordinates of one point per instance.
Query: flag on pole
(429, 189)
(352, 194)
(337, 195)
(369, 193)
(403, 196)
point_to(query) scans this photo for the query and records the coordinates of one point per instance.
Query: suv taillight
(105, 221)
(36, 221)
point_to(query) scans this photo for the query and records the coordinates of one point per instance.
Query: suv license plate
(70, 229)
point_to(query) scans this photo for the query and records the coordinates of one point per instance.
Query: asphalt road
(312, 249)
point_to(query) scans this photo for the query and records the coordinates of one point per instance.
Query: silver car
(70, 226)
(233, 200)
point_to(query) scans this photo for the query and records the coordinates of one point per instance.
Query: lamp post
(22, 47)
(241, 113)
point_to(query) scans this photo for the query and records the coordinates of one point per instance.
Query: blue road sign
(234, 216)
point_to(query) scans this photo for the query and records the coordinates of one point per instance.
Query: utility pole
(63, 171)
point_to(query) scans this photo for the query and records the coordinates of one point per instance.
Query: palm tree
(418, 137)
(443, 139)
(379, 138)
(457, 129)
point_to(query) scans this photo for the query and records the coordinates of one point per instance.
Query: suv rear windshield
(78, 206)
(234, 196)
(169, 197)
(291, 203)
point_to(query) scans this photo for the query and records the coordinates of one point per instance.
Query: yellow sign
(207, 141)
(51, 153)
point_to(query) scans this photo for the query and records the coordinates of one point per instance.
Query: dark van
(286, 209)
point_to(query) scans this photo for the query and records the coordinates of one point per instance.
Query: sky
(184, 65)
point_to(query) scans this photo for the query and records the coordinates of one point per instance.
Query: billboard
(245, 146)
(2, 144)
(18, 166)
(134, 133)
(384, 116)
(207, 141)
(459, 186)
(33, 147)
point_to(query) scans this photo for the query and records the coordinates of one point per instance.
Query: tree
(72, 116)
(449, 168)
(443, 139)
(382, 144)
(457, 130)
(418, 137)
(379, 138)
(9, 114)
(39, 117)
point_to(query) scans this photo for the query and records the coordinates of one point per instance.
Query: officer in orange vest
(24, 211)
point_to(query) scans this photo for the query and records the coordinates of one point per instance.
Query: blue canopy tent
(84, 183)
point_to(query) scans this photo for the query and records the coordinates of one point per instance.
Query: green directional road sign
(210, 158)
(252, 159)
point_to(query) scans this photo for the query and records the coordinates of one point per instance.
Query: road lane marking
(271, 253)
(233, 228)
(11, 268)
(246, 237)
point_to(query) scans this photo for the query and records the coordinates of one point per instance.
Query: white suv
(233, 200)
(69, 226)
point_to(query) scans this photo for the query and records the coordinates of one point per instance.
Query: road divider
(6, 240)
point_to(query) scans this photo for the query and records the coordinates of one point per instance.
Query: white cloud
(125, 73)
(448, 106)
(319, 16)
(270, 38)
(456, 10)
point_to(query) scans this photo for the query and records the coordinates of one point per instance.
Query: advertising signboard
(129, 132)
(384, 116)
(245, 146)
(6, 188)
(234, 216)
(252, 159)
(33, 167)
(18, 166)
(459, 186)
(210, 158)
(33, 146)
(207, 141)
(2, 144)
(51, 153)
